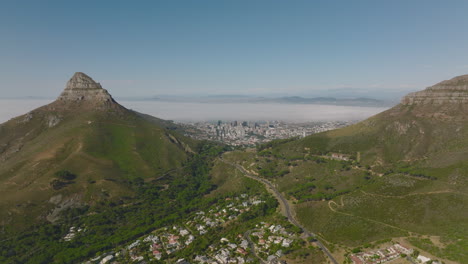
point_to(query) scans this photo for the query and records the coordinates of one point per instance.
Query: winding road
(284, 203)
(252, 246)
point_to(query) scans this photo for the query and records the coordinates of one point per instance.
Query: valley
(233, 132)
(109, 185)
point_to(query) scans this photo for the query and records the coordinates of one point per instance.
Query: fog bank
(10, 108)
(190, 112)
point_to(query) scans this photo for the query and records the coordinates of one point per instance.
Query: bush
(58, 184)
(65, 175)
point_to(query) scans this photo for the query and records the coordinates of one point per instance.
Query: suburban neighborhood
(389, 254)
(267, 243)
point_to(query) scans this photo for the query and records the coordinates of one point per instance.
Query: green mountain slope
(401, 173)
(88, 134)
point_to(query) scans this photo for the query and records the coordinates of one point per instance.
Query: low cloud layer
(14, 107)
(252, 112)
(206, 112)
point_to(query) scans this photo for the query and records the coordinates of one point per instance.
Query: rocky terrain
(447, 100)
(82, 87)
(453, 91)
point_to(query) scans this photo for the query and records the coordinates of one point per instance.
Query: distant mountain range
(361, 101)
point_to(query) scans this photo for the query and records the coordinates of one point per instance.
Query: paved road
(252, 246)
(284, 203)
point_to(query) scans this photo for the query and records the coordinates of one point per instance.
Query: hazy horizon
(385, 97)
(226, 47)
(195, 112)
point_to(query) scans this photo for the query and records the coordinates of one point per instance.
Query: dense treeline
(410, 171)
(109, 224)
(274, 143)
(306, 192)
(272, 170)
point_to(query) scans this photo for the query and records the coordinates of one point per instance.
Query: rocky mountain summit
(453, 91)
(83, 89)
(81, 96)
(88, 134)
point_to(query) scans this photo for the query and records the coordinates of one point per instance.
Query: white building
(423, 259)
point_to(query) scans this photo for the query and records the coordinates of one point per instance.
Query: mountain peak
(453, 91)
(80, 80)
(82, 88)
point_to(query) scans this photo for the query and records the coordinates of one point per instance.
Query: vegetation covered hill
(101, 146)
(401, 173)
(85, 161)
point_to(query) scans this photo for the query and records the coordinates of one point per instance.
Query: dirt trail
(330, 203)
(412, 194)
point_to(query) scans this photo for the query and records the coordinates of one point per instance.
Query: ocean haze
(192, 112)
(14, 107)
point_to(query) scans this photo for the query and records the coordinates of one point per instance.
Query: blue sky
(145, 48)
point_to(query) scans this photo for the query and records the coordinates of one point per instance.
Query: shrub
(65, 175)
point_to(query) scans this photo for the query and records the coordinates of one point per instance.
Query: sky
(249, 47)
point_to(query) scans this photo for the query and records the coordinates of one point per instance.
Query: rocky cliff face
(82, 88)
(454, 91)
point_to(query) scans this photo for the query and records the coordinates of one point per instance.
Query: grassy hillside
(106, 150)
(392, 136)
(397, 174)
(158, 202)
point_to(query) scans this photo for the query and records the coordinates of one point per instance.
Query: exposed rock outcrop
(53, 120)
(26, 118)
(74, 201)
(82, 87)
(454, 91)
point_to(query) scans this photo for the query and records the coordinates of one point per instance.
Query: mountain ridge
(400, 174)
(453, 91)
